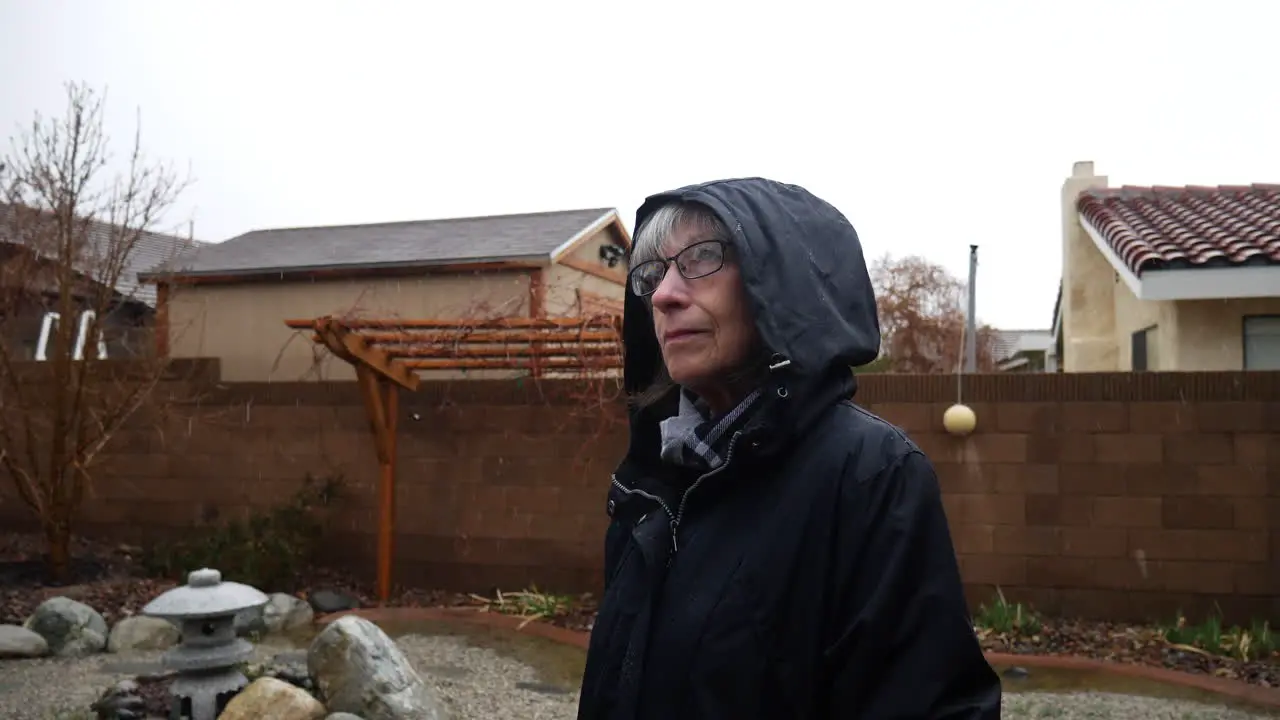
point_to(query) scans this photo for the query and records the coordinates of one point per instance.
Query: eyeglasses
(698, 260)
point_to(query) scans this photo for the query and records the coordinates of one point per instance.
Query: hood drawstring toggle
(776, 363)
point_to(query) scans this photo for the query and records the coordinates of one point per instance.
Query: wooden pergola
(386, 353)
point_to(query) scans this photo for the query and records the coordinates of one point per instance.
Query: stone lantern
(205, 660)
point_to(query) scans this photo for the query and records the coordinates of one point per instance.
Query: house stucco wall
(1132, 315)
(1190, 335)
(1088, 292)
(243, 324)
(1211, 332)
(1101, 313)
(563, 281)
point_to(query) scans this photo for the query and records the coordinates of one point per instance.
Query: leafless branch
(72, 235)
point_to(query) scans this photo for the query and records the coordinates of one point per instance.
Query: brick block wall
(499, 485)
(1107, 495)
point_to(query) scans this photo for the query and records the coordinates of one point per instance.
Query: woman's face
(703, 325)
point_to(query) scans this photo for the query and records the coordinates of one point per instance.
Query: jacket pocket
(729, 673)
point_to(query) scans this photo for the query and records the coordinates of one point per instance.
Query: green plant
(528, 604)
(1256, 642)
(267, 550)
(1007, 618)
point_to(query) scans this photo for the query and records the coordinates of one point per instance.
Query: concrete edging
(1233, 689)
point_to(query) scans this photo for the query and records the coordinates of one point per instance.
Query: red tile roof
(1161, 228)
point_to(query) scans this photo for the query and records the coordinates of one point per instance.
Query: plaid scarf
(692, 438)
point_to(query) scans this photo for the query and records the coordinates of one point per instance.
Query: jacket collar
(791, 405)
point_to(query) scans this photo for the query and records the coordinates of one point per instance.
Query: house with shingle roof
(1021, 350)
(230, 300)
(112, 257)
(1168, 278)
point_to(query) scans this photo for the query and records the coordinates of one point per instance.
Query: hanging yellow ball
(959, 419)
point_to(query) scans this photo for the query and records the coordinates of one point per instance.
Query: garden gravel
(474, 682)
(1110, 706)
(480, 683)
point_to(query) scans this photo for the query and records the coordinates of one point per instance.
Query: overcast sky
(932, 125)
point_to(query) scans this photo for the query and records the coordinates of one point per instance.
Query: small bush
(267, 550)
(1007, 618)
(528, 604)
(1256, 642)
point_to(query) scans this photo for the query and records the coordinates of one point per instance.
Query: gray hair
(664, 221)
(648, 244)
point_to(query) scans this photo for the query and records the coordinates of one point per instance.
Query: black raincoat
(812, 575)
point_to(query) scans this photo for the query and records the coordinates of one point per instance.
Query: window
(49, 326)
(86, 322)
(1262, 342)
(1143, 356)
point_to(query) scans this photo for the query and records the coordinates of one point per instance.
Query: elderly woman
(774, 551)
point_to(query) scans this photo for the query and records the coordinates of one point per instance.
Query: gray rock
(122, 701)
(331, 601)
(293, 671)
(71, 628)
(1016, 673)
(342, 716)
(19, 642)
(250, 622)
(142, 633)
(283, 613)
(360, 670)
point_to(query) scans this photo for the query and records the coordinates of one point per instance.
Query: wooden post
(387, 497)
(407, 346)
(382, 409)
(374, 371)
(537, 310)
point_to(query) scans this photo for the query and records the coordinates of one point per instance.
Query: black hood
(803, 269)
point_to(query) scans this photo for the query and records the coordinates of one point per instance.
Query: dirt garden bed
(110, 579)
(1204, 646)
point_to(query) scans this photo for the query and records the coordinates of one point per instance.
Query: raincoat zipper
(646, 495)
(676, 517)
(675, 523)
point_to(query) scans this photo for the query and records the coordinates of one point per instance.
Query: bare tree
(922, 317)
(72, 237)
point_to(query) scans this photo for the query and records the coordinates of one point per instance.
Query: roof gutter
(1205, 283)
(516, 262)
